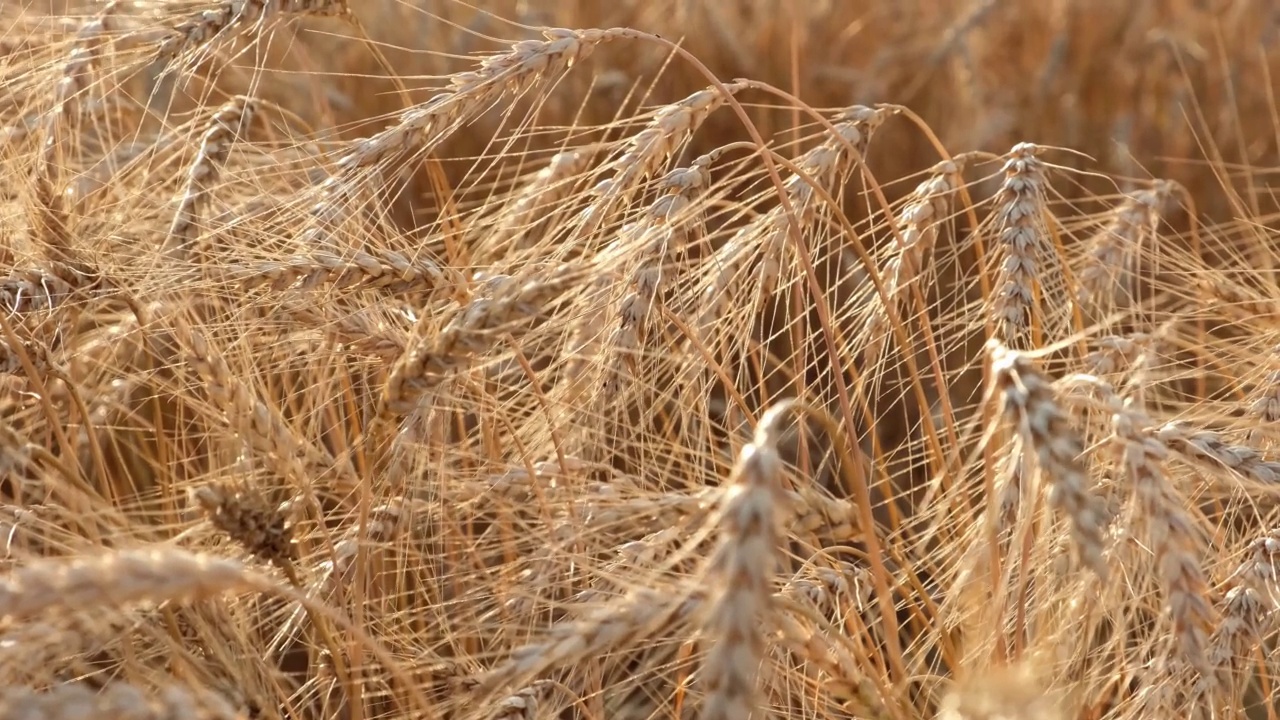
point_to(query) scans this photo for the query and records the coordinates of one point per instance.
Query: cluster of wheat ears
(576, 377)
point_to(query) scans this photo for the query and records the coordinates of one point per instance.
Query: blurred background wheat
(669, 359)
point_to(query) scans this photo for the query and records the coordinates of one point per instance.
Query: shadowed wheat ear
(1029, 401)
(244, 514)
(741, 573)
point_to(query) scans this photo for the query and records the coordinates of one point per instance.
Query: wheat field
(639, 360)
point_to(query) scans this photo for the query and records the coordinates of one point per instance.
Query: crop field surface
(639, 360)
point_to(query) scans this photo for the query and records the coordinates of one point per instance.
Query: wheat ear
(741, 572)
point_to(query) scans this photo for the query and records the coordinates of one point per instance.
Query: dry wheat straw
(1029, 400)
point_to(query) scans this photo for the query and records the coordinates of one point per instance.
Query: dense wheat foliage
(645, 359)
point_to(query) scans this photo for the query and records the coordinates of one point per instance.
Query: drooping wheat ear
(1030, 402)
(364, 269)
(520, 219)
(612, 626)
(918, 223)
(741, 572)
(1170, 530)
(473, 330)
(116, 700)
(843, 665)
(663, 233)
(1266, 403)
(220, 134)
(199, 29)
(523, 704)
(62, 122)
(424, 126)
(1248, 613)
(646, 152)
(825, 166)
(1117, 353)
(364, 330)
(241, 511)
(261, 428)
(1108, 265)
(1211, 448)
(118, 579)
(764, 239)
(1022, 243)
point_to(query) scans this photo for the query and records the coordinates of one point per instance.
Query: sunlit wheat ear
(618, 624)
(653, 242)
(1030, 402)
(424, 126)
(1117, 353)
(1248, 615)
(740, 574)
(118, 579)
(1105, 275)
(918, 224)
(361, 269)
(826, 166)
(116, 700)
(1171, 533)
(1022, 242)
(234, 17)
(61, 125)
(227, 124)
(473, 330)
